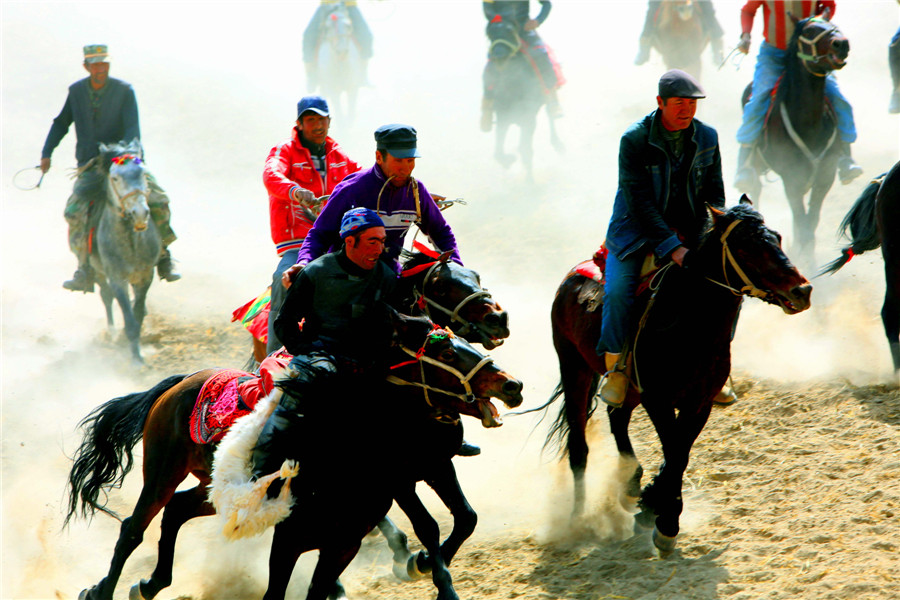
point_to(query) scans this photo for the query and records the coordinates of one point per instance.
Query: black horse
(354, 463)
(800, 140)
(126, 243)
(517, 92)
(873, 221)
(681, 357)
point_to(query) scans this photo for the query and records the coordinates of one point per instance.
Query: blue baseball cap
(398, 140)
(315, 104)
(357, 220)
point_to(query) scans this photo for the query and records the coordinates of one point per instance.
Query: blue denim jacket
(643, 195)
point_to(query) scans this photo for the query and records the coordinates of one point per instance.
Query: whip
(28, 179)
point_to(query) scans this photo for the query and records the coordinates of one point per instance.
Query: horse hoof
(83, 595)
(135, 592)
(663, 543)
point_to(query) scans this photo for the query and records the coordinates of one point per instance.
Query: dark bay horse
(126, 244)
(679, 36)
(343, 491)
(800, 140)
(518, 95)
(682, 355)
(873, 221)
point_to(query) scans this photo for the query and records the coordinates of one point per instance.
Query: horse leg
(286, 549)
(500, 155)
(106, 294)
(131, 533)
(618, 425)
(663, 495)
(579, 384)
(332, 561)
(429, 533)
(398, 542)
(800, 225)
(890, 310)
(555, 140)
(183, 506)
(139, 305)
(445, 483)
(816, 197)
(132, 328)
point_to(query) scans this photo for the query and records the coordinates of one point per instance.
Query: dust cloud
(217, 85)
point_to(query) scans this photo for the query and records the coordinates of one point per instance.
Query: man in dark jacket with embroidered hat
(104, 110)
(341, 299)
(670, 168)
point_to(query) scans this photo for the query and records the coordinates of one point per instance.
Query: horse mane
(414, 259)
(743, 212)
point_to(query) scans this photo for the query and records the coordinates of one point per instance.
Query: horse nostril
(512, 387)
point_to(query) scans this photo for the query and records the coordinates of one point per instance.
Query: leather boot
(614, 385)
(848, 170)
(487, 114)
(643, 54)
(82, 280)
(467, 449)
(166, 267)
(746, 177)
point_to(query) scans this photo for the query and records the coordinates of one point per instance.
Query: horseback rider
(770, 64)
(399, 199)
(515, 12)
(340, 297)
(670, 168)
(708, 22)
(104, 110)
(296, 174)
(312, 37)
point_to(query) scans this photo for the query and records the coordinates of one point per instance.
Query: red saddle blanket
(228, 395)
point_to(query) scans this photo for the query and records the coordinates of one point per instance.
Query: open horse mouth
(490, 417)
(794, 301)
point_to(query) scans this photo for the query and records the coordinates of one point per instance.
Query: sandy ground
(791, 493)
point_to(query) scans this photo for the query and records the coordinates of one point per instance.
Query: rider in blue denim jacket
(670, 168)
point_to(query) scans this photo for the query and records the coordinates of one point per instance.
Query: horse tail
(105, 456)
(860, 226)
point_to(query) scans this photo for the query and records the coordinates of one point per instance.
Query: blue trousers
(620, 283)
(770, 65)
(277, 298)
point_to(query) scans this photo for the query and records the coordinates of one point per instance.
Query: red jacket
(778, 26)
(289, 165)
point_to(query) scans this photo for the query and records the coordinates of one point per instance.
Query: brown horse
(800, 139)
(679, 36)
(873, 221)
(331, 514)
(681, 358)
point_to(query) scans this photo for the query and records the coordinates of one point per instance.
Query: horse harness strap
(419, 357)
(795, 137)
(424, 301)
(749, 288)
(814, 57)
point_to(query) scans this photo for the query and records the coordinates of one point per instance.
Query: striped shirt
(778, 26)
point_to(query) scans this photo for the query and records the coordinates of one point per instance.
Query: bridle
(419, 357)
(119, 160)
(748, 289)
(813, 56)
(423, 302)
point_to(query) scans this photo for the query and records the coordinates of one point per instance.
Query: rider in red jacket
(297, 173)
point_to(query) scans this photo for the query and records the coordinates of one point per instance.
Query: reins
(420, 358)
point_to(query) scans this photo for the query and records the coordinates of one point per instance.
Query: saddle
(229, 395)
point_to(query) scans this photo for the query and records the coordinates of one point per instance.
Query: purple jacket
(397, 209)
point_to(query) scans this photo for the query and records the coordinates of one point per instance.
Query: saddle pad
(590, 270)
(225, 397)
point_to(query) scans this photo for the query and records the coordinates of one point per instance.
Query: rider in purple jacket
(387, 188)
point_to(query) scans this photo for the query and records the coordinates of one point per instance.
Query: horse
(126, 243)
(517, 95)
(450, 374)
(874, 221)
(679, 36)
(448, 293)
(681, 357)
(339, 65)
(800, 138)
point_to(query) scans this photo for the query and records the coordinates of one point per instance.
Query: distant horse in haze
(679, 36)
(125, 243)
(518, 94)
(800, 139)
(873, 221)
(340, 71)
(681, 356)
(370, 447)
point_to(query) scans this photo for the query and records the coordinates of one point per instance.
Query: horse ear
(445, 256)
(714, 213)
(745, 199)
(135, 147)
(398, 323)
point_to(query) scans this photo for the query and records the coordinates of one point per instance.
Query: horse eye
(447, 355)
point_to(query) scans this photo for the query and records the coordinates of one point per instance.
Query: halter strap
(749, 289)
(814, 57)
(424, 302)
